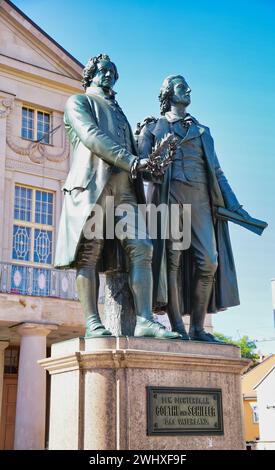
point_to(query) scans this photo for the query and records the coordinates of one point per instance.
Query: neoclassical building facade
(37, 303)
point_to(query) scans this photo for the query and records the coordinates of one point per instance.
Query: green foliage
(247, 346)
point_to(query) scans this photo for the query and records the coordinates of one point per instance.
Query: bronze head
(100, 71)
(174, 90)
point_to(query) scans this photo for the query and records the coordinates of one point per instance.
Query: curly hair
(90, 69)
(166, 93)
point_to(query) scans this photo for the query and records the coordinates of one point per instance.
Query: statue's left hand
(243, 213)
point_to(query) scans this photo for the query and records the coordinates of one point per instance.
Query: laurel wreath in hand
(162, 155)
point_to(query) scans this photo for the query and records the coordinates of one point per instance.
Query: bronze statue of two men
(108, 162)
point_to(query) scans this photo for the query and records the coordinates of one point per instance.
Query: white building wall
(266, 408)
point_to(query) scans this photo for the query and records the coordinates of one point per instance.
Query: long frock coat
(92, 125)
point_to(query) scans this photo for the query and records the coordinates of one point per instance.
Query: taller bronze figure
(203, 278)
(104, 155)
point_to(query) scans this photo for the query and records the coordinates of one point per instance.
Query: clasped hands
(142, 164)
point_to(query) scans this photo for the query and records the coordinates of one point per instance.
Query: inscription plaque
(177, 410)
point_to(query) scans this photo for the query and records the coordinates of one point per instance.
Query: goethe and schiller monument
(156, 389)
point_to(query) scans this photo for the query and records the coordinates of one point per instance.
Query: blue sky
(226, 51)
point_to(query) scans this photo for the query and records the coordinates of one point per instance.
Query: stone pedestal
(98, 391)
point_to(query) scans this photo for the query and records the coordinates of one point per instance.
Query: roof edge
(263, 378)
(258, 365)
(43, 32)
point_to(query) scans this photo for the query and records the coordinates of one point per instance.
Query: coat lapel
(193, 131)
(180, 130)
(161, 128)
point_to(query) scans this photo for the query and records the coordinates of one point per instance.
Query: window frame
(33, 226)
(35, 125)
(255, 413)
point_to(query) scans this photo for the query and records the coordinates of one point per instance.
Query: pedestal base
(99, 396)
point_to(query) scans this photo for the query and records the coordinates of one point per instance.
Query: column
(31, 391)
(3, 346)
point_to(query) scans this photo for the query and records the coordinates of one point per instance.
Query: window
(36, 125)
(33, 226)
(255, 413)
(11, 360)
